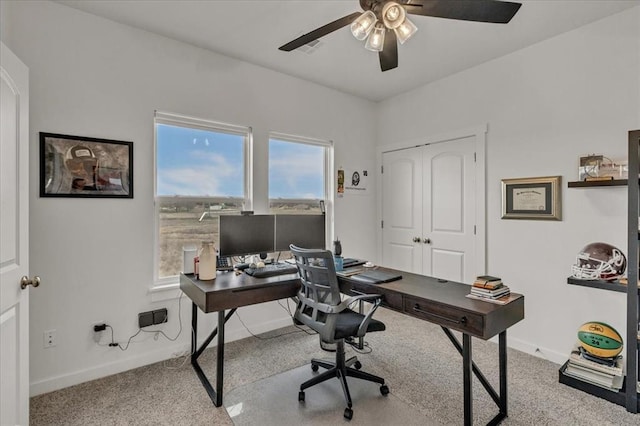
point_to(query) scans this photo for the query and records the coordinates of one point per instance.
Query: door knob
(416, 239)
(25, 281)
(427, 241)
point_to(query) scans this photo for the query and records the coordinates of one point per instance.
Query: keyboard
(272, 270)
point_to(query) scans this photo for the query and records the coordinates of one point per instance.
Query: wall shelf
(594, 183)
(603, 285)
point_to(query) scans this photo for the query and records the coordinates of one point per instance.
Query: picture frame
(84, 167)
(536, 198)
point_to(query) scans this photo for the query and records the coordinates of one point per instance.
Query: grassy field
(188, 223)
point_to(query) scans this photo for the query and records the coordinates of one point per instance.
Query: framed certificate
(531, 198)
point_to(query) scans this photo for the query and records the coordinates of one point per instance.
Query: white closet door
(402, 210)
(449, 206)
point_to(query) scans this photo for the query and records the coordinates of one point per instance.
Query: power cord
(157, 333)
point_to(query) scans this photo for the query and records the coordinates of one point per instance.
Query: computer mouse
(260, 265)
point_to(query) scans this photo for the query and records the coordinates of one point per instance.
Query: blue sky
(193, 162)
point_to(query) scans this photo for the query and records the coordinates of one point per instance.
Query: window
(299, 174)
(202, 171)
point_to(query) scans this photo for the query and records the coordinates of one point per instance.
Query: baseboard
(544, 353)
(162, 353)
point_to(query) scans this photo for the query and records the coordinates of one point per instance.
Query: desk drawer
(444, 315)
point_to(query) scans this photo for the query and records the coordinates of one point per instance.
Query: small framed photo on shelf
(83, 167)
(535, 198)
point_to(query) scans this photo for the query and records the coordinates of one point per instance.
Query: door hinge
(474, 157)
(382, 224)
(474, 230)
(381, 169)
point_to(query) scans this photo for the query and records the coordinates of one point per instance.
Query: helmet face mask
(599, 261)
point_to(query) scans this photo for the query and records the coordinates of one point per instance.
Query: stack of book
(604, 372)
(489, 288)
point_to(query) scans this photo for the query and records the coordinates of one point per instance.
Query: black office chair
(321, 308)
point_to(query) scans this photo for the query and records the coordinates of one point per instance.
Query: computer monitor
(302, 230)
(247, 234)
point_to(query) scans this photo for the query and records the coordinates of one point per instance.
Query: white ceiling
(252, 31)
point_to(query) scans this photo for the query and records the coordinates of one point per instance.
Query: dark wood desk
(445, 303)
(440, 302)
(228, 292)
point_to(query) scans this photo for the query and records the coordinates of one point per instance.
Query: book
(500, 301)
(576, 358)
(487, 281)
(607, 381)
(487, 284)
(487, 278)
(492, 293)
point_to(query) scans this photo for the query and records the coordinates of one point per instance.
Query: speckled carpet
(421, 367)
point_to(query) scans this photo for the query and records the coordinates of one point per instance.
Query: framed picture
(531, 198)
(76, 166)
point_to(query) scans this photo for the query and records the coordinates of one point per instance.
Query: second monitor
(302, 230)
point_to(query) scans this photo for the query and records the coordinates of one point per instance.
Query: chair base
(341, 369)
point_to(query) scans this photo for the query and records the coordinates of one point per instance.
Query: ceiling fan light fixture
(375, 42)
(393, 15)
(405, 31)
(362, 26)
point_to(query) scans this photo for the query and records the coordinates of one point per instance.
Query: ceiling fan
(384, 23)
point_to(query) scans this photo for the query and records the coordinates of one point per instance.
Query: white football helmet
(599, 261)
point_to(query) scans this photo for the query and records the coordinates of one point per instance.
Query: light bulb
(375, 42)
(393, 15)
(362, 26)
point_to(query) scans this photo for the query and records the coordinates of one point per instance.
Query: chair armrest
(348, 302)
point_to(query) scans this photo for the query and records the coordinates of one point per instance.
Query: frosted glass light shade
(362, 26)
(375, 41)
(405, 31)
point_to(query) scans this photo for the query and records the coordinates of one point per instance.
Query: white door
(429, 209)
(402, 210)
(449, 210)
(14, 237)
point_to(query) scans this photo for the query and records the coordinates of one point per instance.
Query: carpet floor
(421, 367)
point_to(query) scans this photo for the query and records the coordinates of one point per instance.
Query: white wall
(92, 77)
(545, 106)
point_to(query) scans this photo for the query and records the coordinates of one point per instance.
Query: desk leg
(502, 348)
(215, 395)
(467, 377)
(469, 365)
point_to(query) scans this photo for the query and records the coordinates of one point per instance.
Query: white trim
(480, 135)
(200, 123)
(328, 171)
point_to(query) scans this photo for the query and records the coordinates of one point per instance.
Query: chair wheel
(357, 365)
(301, 396)
(348, 413)
(384, 390)
(314, 367)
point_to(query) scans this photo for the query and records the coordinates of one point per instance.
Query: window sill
(165, 291)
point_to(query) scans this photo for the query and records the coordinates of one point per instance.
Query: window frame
(172, 119)
(328, 170)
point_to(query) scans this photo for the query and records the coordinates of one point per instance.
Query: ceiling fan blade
(320, 32)
(389, 53)
(497, 12)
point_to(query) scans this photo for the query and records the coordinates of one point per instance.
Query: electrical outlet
(49, 338)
